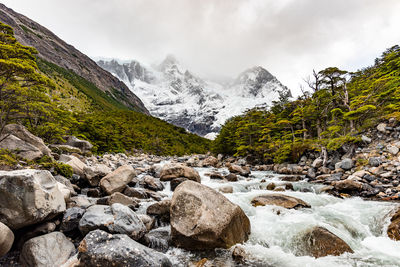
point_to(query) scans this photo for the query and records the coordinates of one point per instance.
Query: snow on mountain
(174, 94)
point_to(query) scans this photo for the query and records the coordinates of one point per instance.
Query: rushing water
(275, 231)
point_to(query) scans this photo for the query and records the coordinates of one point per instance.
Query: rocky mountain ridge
(173, 93)
(52, 49)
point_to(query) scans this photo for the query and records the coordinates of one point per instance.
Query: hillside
(54, 50)
(339, 107)
(53, 102)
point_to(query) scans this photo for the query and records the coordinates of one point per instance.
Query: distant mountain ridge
(54, 50)
(173, 93)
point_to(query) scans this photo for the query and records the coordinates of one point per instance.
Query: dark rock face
(100, 248)
(53, 49)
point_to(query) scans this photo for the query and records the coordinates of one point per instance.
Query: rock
(392, 150)
(381, 127)
(116, 218)
(346, 164)
(216, 175)
(83, 145)
(319, 242)
(394, 227)
(177, 181)
(366, 139)
(202, 218)
(20, 147)
(271, 186)
(48, 250)
(6, 239)
(231, 177)
(239, 254)
(77, 165)
(291, 178)
(317, 163)
(157, 239)
(348, 185)
(360, 173)
(93, 174)
(172, 171)
(118, 179)
(117, 197)
(287, 202)
(228, 189)
(311, 173)
(152, 183)
(71, 218)
(24, 143)
(99, 248)
(237, 169)
(93, 192)
(80, 201)
(147, 220)
(136, 192)
(28, 197)
(159, 208)
(210, 161)
(375, 161)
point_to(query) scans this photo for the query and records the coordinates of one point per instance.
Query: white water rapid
(274, 230)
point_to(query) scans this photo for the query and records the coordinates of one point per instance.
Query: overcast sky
(224, 37)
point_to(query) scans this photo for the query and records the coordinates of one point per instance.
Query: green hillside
(52, 102)
(337, 108)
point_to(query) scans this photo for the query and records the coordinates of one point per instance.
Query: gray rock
(159, 208)
(118, 179)
(311, 173)
(202, 218)
(374, 161)
(71, 219)
(6, 239)
(49, 250)
(28, 197)
(77, 165)
(93, 174)
(317, 163)
(366, 139)
(83, 145)
(152, 183)
(20, 147)
(347, 164)
(172, 171)
(157, 239)
(116, 218)
(381, 127)
(392, 150)
(100, 248)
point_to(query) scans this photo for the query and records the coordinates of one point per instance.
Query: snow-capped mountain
(174, 94)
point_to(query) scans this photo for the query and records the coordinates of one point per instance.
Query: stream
(275, 231)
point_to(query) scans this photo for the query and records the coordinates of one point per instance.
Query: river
(275, 231)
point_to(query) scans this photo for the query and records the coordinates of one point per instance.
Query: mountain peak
(168, 62)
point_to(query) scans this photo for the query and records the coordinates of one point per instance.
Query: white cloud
(224, 37)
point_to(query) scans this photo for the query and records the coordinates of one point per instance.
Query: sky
(221, 38)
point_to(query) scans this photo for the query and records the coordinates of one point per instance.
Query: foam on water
(276, 231)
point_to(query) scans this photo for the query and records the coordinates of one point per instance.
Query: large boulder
(6, 239)
(100, 248)
(48, 250)
(152, 183)
(116, 218)
(71, 218)
(394, 227)
(20, 147)
(28, 197)
(319, 242)
(172, 171)
(202, 218)
(83, 145)
(210, 161)
(24, 143)
(285, 201)
(243, 171)
(118, 179)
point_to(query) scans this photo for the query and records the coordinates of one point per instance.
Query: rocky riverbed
(144, 210)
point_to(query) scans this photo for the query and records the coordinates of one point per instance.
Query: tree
(22, 88)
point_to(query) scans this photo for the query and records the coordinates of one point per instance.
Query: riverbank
(196, 210)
